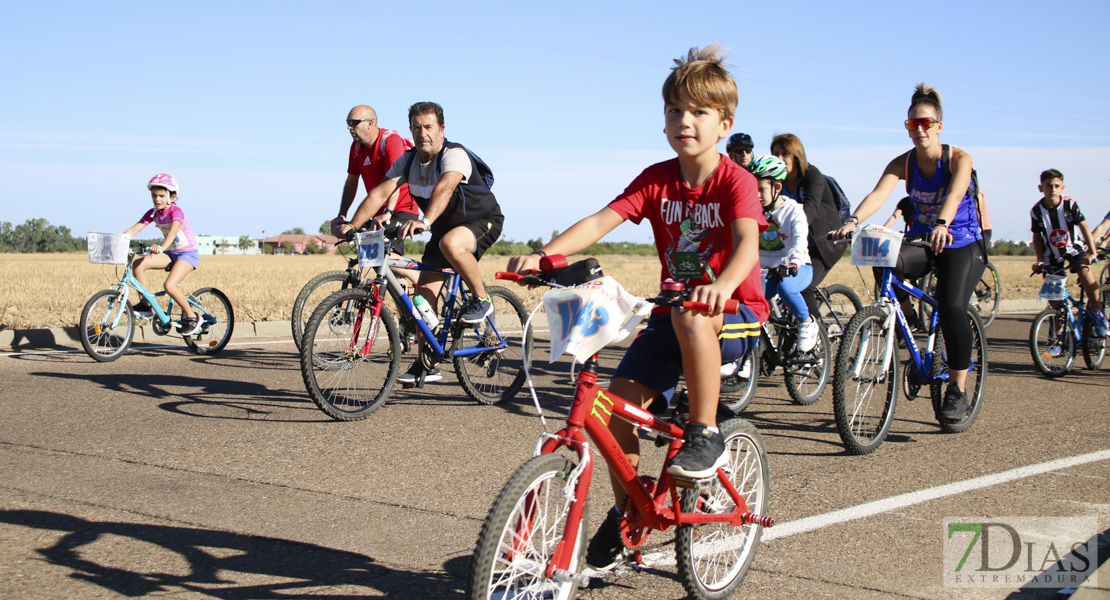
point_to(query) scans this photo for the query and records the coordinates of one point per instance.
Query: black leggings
(958, 270)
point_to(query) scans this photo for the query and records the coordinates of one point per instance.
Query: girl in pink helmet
(178, 250)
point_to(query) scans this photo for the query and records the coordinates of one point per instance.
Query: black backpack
(843, 206)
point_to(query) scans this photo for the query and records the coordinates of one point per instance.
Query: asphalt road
(169, 475)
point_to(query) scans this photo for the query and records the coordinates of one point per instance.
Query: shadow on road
(221, 564)
(203, 397)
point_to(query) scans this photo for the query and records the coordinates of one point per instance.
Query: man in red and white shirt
(373, 151)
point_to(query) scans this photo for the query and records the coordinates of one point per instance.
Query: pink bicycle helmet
(164, 180)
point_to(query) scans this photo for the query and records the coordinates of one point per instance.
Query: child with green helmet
(784, 247)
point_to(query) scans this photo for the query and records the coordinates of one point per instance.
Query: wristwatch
(853, 219)
(943, 222)
(426, 222)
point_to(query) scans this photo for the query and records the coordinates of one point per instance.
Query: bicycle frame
(438, 344)
(128, 281)
(1076, 324)
(593, 409)
(922, 361)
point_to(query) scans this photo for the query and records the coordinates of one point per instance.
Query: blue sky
(244, 101)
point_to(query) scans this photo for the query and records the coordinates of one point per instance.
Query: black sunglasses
(352, 123)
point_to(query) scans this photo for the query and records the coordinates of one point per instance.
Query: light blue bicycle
(107, 323)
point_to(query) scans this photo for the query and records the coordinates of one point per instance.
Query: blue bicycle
(868, 360)
(107, 324)
(1059, 330)
(352, 344)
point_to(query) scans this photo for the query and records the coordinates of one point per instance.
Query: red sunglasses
(923, 123)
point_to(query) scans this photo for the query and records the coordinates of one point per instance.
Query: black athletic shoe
(955, 406)
(606, 547)
(701, 454)
(414, 372)
(142, 309)
(476, 310)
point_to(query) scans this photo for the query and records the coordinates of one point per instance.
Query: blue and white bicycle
(868, 360)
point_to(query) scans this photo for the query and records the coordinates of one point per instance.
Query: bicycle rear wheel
(493, 376)
(976, 375)
(349, 363)
(217, 321)
(102, 340)
(312, 294)
(1094, 348)
(843, 304)
(1052, 341)
(807, 374)
(525, 525)
(862, 418)
(987, 296)
(713, 558)
(738, 390)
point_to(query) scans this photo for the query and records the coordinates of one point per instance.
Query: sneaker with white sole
(414, 372)
(606, 547)
(807, 335)
(476, 310)
(1054, 348)
(1100, 323)
(701, 454)
(189, 326)
(142, 309)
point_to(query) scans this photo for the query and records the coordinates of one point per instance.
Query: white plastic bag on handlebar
(875, 246)
(585, 318)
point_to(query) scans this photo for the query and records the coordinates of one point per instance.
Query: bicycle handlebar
(672, 293)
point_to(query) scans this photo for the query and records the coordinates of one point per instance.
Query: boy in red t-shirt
(704, 210)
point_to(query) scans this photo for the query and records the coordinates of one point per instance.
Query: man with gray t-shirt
(449, 184)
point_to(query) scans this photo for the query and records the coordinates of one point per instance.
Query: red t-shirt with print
(685, 219)
(372, 162)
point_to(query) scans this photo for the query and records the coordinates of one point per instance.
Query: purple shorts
(190, 256)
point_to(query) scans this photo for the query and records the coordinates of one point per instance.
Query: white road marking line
(909, 499)
(877, 507)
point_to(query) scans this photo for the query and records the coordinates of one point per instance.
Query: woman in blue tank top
(947, 216)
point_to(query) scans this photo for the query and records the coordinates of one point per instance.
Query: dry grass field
(49, 290)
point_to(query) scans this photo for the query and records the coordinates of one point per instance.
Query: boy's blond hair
(704, 78)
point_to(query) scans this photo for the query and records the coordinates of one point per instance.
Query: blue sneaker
(1100, 323)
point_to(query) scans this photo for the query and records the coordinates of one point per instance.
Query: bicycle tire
(929, 286)
(1104, 277)
(976, 376)
(737, 391)
(315, 291)
(806, 383)
(344, 380)
(863, 424)
(100, 342)
(987, 295)
(833, 313)
(492, 377)
(1041, 335)
(216, 326)
(510, 560)
(713, 558)
(1094, 348)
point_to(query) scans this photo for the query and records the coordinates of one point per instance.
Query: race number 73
(574, 312)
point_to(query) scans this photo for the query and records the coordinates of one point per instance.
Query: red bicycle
(533, 542)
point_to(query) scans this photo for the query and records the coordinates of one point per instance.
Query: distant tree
(245, 242)
(38, 235)
(267, 249)
(294, 231)
(325, 228)
(287, 247)
(535, 244)
(311, 247)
